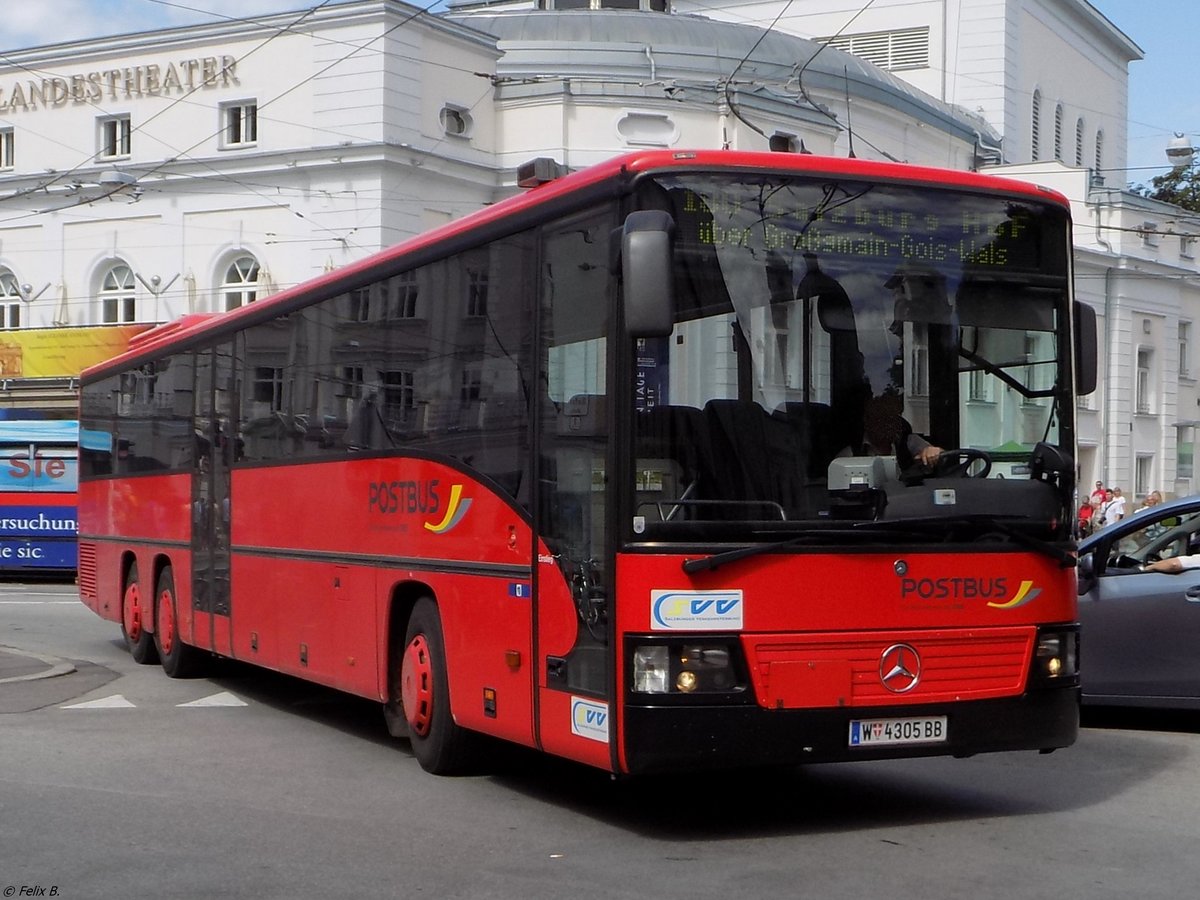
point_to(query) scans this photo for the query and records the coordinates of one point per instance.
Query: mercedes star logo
(900, 668)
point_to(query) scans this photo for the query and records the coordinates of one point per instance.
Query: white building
(195, 169)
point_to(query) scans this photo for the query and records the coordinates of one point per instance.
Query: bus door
(214, 418)
(574, 578)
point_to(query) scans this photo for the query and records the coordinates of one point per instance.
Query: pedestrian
(1098, 494)
(1116, 511)
(1152, 500)
(1086, 512)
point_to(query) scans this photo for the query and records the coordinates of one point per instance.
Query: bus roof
(619, 170)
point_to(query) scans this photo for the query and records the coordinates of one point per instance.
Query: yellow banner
(62, 352)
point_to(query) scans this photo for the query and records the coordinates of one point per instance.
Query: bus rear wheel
(179, 660)
(440, 745)
(135, 611)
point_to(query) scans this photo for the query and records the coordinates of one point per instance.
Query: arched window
(118, 304)
(1035, 127)
(1079, 142)
(10, 300)
(1099, 153)
(241, 282)
(1058, 123)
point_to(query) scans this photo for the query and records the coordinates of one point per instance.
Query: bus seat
(818, 432)
(759, 455)
(678, 434)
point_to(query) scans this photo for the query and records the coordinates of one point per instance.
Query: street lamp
(1180, 151)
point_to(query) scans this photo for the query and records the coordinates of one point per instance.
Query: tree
(1179, 186)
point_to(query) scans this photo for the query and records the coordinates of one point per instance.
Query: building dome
(646, 47)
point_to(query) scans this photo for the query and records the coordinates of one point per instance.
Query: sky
(1164, 87)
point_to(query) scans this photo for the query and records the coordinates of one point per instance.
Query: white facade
(993, 57)
(193, 169)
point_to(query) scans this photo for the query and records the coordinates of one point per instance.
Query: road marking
(40, 603)
(224, 698)
(116, 701)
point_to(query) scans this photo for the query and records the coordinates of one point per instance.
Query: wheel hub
(416, 685)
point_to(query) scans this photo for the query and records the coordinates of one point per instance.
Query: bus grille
(845, 670)
(87, 570)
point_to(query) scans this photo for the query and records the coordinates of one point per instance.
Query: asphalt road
(116, 781)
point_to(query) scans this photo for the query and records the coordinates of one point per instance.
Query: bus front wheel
(135, 611)
(179, 660)
(440, 745)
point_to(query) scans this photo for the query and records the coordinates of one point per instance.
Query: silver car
(1140, 637)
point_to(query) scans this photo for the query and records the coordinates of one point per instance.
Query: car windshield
(1161, 537)
(828, 329)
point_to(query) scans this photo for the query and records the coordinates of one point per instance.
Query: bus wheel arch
(137, 614)
(179, 660)
(404, 598)
(418, 689)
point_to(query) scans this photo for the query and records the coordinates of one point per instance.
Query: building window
(118, 303)
(240, 125)
(1142, 474)
(477, 292)
(455, 121)
(1187, 246)
(896, 51)
(1079, 142)
(1184, 452)
(978, 386)
(114, 137)
(399, 398)
(404, 298)
(1058, 136)
(7, 146)
(10, 301)
(360, 304)
(472, 386)
(1149, 233)
(1142, 388)
(268, 386)
(241, 282)
(1035, 127)
(918, 385)
(351, 382)
(1185, 349)
(1100, 151)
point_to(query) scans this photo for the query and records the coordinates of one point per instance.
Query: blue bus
(39, 482)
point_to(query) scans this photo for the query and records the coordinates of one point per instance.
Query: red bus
(585, 471)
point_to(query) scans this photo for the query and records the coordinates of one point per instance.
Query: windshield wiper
(924, 524)
(716, 560)
(1063, 557)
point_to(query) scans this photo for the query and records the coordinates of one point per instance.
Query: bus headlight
(650, 669)
(1056, 657)
(684, 668)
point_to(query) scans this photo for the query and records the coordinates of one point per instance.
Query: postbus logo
(420, 498)
(696, 610)
(1025, 594)
(589, 719)
(455, 510)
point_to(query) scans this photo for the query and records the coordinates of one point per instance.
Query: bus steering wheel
(957, 463)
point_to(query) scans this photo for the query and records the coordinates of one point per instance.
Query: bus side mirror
(1085, 349)
(646, 274)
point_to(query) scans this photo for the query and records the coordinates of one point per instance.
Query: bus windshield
(828, 331)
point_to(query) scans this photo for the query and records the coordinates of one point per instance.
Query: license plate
(878, 732)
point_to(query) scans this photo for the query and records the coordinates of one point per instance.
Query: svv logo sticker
(589, 719)
(696, 610)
